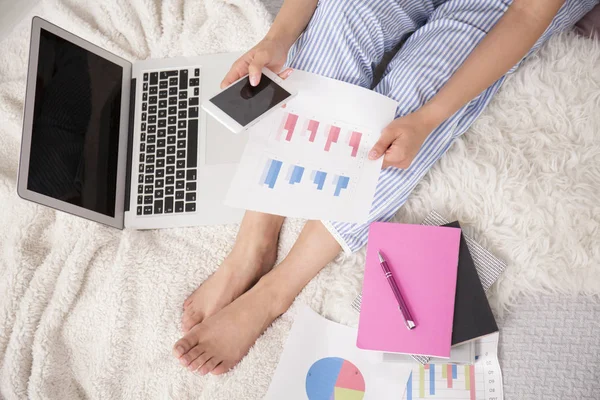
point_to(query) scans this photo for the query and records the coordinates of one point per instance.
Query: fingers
(397, 164)
(384, 142)
(238, 69)
(285, 73)
(252, 67)
(397, 156)
(260, 59)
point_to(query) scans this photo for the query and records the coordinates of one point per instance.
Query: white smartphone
(241, 105)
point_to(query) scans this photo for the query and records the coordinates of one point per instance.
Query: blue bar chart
(330, 184)
(296, 174)
(319, 179)
(271, 173)
(340, 182)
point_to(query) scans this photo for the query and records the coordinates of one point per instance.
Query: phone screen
(244, 102)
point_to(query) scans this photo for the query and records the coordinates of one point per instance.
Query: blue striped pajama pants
(346, 39)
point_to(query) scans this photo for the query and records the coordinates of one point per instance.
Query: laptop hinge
(130, 145)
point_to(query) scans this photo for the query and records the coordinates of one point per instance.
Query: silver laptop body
(123, 144)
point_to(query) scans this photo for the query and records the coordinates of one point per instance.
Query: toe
(190, 318)
(221, 368)
(209, 365)
(186, 343)
(189, 300)
(191, 355)
(200, 361)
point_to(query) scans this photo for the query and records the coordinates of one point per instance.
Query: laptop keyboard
(168, 157)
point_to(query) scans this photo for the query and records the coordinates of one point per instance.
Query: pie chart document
(320, 361)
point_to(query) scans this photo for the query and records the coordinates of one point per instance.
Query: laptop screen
(75, 132)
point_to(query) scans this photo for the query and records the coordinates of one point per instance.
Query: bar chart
(340, 182)
(310, 161)
(295, 174)
(323, 181)
(479, 381)
(354, 142)
(333, 134)
(309, 158)
(295, 129)
(271, 173)
(287, 126)
(311, 127)
(443, 381)
(319, 179)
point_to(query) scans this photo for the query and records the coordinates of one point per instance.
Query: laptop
(124, 144)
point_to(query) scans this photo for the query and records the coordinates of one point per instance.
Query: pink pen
(408, 319)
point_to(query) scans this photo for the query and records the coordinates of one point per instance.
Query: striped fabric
(488, 266)
(346, 39)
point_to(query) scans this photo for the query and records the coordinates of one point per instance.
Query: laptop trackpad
(222, 145)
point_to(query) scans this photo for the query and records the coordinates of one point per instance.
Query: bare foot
(220, 341)
(252, 256)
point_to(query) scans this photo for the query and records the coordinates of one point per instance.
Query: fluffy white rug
(91, 312)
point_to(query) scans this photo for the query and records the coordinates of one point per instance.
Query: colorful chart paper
(321, 362)
(309, 159)
(336, 379)
(480, 381)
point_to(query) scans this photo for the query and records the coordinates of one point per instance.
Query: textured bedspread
(92, 312)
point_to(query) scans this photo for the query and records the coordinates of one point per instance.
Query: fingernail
(180, 350)
(191, 368)
(372, 154)
(253, 80)
(289, 73)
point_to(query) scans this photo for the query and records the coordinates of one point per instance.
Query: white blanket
(92, 312)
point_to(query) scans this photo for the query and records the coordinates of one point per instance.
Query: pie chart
(334, 378)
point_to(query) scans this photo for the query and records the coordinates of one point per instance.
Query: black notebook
(473, 316)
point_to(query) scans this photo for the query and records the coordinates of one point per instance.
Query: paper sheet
(320, 361)
(479, 381)
(309, 159)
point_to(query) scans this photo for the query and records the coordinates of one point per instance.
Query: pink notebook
(423, 261)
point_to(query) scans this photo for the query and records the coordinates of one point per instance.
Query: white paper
(459, 354)
(480, 381)
(309, 159)
(309, 367)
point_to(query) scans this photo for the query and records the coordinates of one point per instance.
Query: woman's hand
(401, 140)
(268, 53)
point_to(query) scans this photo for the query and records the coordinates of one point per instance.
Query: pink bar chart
(312, 127)
(354, 142)
(332, 136)
(295, 129)
(288, 125)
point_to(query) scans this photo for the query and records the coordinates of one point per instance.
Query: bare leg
(252, 256)
(221, 340)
